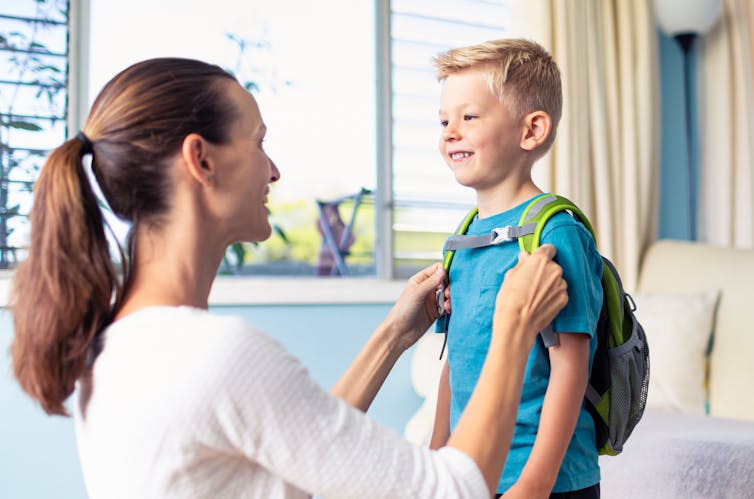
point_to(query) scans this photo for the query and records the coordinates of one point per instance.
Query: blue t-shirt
(475, 278)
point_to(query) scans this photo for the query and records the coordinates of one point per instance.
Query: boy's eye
(443, 123)
(469, 117)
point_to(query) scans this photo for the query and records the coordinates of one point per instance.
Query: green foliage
(27, 61)
(22, 125)
(301, 242)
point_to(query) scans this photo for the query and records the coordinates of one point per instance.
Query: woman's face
(245, 171)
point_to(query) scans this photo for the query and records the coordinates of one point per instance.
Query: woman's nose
(274, 172)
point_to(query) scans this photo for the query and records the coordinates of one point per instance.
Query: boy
(499, 108)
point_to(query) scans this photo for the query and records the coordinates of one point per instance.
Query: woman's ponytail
(62, 293)
(67, 290)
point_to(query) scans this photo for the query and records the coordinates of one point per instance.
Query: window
(311, 67)
(428, 202)
(328, 76)
(33, 101)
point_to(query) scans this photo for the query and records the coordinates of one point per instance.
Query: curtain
(606, 155)
(726, 128)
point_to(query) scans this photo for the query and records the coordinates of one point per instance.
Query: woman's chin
(263, 234)
(256, 235)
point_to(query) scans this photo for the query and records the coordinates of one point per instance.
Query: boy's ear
(536, 128)
(197, 160)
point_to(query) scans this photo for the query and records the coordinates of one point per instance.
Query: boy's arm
(569, 375)
(441, 426)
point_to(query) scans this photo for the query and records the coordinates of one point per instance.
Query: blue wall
(38, 453)
(678, 183)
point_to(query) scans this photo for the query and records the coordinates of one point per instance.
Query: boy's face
(480, 140)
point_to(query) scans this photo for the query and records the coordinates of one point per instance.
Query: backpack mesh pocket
(629, 371)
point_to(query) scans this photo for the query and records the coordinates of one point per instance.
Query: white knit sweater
(190, 404)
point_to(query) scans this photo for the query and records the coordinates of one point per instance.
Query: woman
(174, 401)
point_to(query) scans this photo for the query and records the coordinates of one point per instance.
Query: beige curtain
(726, 128)
(606, 156)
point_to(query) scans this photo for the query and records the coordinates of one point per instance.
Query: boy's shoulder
(564, 222)
(567, 233)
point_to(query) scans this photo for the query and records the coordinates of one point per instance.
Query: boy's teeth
(459, 155)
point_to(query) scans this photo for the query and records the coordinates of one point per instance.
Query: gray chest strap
(497, 236)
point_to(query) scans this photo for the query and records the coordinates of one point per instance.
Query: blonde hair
(521, 73)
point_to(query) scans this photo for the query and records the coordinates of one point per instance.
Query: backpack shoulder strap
(536, 215)
(442, 321)
(460, 231)
(539, 211)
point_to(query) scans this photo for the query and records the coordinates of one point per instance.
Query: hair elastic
(87, 149)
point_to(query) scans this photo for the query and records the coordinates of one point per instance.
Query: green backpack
(617, 390)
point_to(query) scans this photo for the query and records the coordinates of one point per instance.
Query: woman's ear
(197, 160)
(536, 128)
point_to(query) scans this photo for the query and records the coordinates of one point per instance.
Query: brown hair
(521, 74)
(67, 289)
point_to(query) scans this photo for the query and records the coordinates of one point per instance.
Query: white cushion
(677, 266)
(678, 328)
(426, 369)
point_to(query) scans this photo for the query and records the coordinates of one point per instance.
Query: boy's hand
(519, 491)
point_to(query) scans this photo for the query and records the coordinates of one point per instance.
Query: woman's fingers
(434, 274)
(548, 250)
(534, 288)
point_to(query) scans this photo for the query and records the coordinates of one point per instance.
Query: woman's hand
(533, 292)
(409, 318)
(416, 308)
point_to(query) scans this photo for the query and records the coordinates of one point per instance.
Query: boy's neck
(505, 196)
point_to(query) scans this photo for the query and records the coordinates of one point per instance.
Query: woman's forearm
(485, 429)
(409, 318)
(364, 377)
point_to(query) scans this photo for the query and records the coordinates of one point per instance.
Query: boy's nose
(450, 132)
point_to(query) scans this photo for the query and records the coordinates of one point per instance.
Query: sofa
(696, 439)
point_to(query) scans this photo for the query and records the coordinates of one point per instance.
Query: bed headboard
(676, 266)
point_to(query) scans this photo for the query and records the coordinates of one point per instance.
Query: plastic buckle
(502, 235)
(440, 300)
(631, 302)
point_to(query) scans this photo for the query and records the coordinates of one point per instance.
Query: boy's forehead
(466, 87)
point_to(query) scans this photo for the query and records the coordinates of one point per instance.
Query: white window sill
(283, 290)
(303, 291)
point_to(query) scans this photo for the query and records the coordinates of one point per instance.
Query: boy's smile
(460, 156)
(480, 140)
